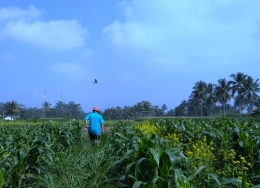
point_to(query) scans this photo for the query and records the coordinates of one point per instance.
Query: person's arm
(102, 128)
(102, 125)
(86, 123)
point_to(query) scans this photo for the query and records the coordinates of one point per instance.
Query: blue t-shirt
(95, 121)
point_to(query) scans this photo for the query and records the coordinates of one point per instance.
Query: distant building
(9, 118)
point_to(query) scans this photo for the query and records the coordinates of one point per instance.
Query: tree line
(60, 110)
(141, 109)
(206, 99)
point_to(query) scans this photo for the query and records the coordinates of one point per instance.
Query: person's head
(95, 109)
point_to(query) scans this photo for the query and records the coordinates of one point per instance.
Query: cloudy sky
(154, 50)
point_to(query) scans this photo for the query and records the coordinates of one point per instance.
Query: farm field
(175, 152)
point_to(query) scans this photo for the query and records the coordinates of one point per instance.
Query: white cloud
(69, 70)
(21, 25)
(172, 33)
(57, 35)
(9, 13)
(132, 33)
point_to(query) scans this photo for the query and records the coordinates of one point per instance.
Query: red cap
(96, 109)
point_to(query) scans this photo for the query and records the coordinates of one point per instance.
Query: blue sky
(154, 50)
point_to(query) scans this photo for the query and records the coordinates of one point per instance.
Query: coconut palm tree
(257, 102)
(241, 102)
(193, 102)
(146, 106)
(164, 108)
(139, 108)
(249, 90)
(198, 95)
(60, 109)
(210, 98)
(223, 93)
(46, 107)
(236, 83)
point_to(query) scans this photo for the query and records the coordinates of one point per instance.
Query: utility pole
(44, 101)
(62, 109)
(44, 97)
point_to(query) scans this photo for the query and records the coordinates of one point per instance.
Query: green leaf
(137, 166)
(215, 178)
(257, 186)
(230, 180)
(127, 153)
(137, 184)
(197, 172)
(156, 156)
(155, 178)
(244, 183)
(180, 179)
(128, 169)
(2, 178)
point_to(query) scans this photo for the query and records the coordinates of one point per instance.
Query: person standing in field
(95, 124)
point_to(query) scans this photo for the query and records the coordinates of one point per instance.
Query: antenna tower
(44, 97)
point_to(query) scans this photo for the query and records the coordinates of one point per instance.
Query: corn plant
(221, 150)
(27, 151)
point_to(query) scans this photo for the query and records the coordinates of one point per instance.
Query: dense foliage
(208, 99)
(176, 152)
(61, 109)
(28, 151)
(188, 153)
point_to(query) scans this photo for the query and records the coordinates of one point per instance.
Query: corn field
(27, 151)
(177, 152)
(188, 153)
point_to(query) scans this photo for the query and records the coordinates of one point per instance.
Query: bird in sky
(95, 82)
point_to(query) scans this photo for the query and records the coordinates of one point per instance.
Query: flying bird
(95, 82)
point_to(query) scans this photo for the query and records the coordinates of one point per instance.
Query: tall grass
(82, 165)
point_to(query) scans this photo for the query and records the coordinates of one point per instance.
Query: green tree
(257, 102)
(46, 108)
(170, 113)
(210, 98)
(60, 109)
(11, 108)
(240, 102)
(31, 113)
(223, 93)
(139, 108)
(182, 109)
(146, 106)
(193, 103)
(198, 95)
(164, 108)
(236, 83)
(2, 110)
(74, 110)
(113, 113)
(249, 90)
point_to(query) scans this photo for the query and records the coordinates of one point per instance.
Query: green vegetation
(28, 151)
(60, 110)
(176, 152)
(189, 153)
